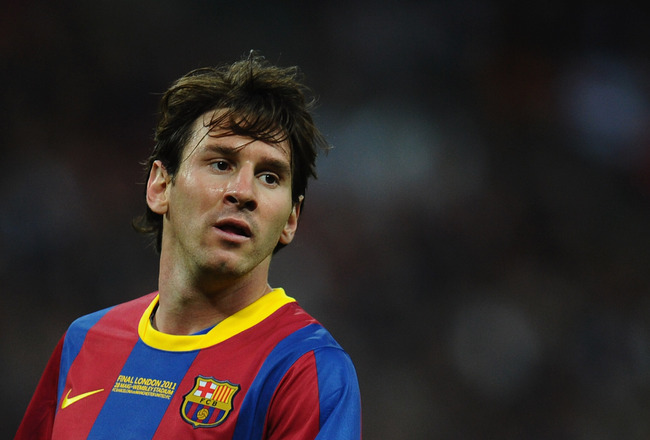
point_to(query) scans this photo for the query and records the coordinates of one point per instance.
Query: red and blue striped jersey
(270, 371)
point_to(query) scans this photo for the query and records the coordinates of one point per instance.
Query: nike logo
(67, 400)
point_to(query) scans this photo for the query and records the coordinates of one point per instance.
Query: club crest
(209, 402)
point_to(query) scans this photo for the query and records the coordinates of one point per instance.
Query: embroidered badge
(208, 403)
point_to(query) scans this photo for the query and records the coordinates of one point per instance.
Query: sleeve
(38, 420)
(318, 398)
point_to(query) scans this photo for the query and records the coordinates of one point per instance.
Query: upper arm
(39, 417)
(318, 397)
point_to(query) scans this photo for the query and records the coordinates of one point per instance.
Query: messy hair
(254, 99)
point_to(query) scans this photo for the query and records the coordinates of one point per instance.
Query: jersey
(270, 371)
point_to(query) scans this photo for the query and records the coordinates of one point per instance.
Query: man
(216, 352)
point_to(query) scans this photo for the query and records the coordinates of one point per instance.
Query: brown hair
(259, 100)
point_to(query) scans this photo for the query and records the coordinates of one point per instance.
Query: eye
(220, 165)
(270, 179)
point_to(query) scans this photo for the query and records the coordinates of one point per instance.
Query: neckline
(229, 327)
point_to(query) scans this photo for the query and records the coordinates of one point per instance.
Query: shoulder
(314, 342)
(331, 362)
(307, 335)
(302, 333)
(121, 317)
(311, 377)
(312, 336)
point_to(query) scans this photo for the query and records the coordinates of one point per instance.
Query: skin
(223, 212)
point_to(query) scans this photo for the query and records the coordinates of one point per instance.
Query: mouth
(234, 227)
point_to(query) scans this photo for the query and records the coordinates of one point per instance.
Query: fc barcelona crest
(208, 403)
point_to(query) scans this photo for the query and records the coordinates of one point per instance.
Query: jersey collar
(229, 327)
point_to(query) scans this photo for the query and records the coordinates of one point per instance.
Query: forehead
(208, 130)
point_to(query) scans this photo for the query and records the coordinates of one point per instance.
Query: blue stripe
(148, 363)
(338, 395)
(74, 339)
(250, 423)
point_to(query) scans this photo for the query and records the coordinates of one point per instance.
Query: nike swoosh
(67, 401)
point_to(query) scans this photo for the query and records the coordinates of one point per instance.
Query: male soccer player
(215, 352)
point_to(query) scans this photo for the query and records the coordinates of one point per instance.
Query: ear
(291, 226)
(157, 188)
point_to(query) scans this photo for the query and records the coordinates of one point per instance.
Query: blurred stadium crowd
(478, 239)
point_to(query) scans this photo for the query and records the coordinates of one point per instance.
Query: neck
(189, 305)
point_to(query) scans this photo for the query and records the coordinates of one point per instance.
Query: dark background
(478, 238)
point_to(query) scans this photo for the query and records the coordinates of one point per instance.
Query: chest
(121, 389)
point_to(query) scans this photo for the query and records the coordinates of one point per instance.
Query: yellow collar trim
(229, 327)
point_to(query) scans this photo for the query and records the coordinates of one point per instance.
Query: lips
(234, 227)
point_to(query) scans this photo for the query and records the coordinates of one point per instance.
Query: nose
(241, 190)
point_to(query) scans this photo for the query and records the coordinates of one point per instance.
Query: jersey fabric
(270, 371)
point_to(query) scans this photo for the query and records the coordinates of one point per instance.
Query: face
(228, 206)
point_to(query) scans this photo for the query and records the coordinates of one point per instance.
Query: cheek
(285, 216)
(215, 192)
(277, 212)
(184, 202)
(192, 192)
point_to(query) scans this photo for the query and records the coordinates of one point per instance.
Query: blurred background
(478, 237)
